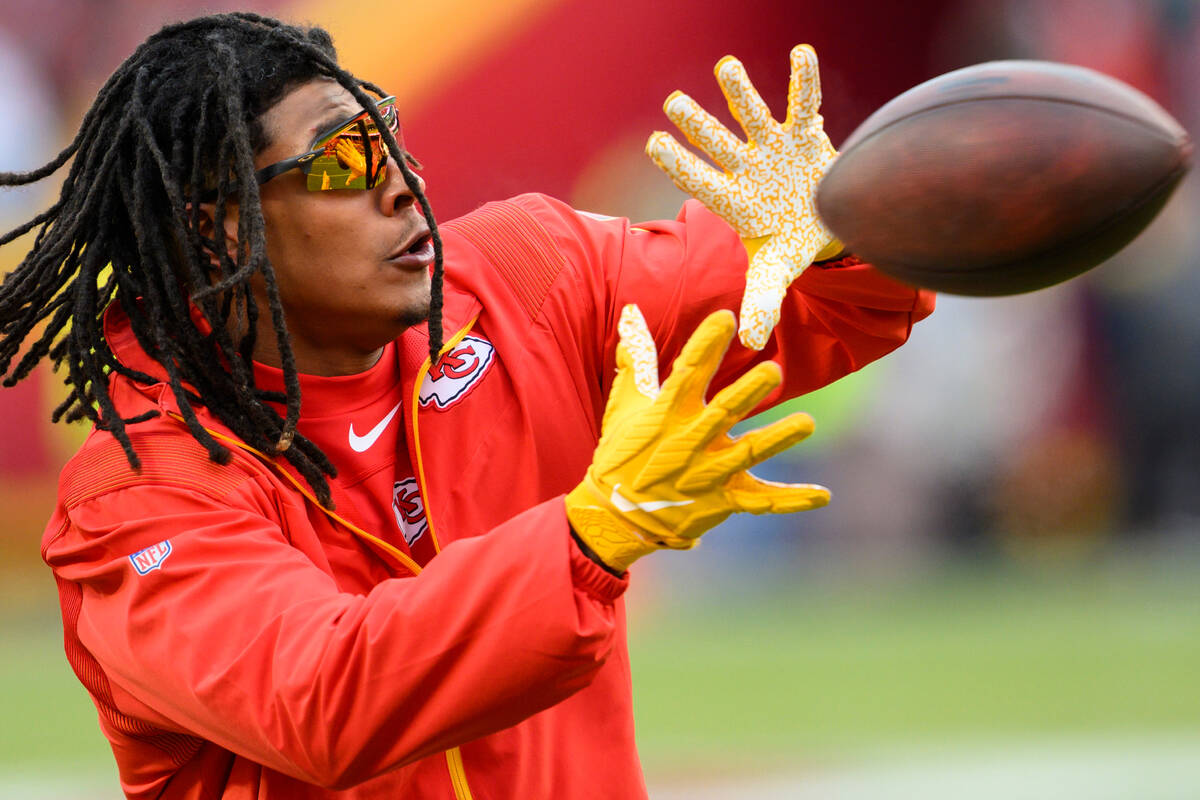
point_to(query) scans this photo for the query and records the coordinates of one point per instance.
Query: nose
(397, 195)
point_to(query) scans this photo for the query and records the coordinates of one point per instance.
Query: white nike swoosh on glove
(360, 443)
(624, 504)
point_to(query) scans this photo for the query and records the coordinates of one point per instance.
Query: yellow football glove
(665, 470)
(767, 189)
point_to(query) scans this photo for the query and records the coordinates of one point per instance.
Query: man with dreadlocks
(307, 550)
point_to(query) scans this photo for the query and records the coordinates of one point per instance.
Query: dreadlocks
(179, 118)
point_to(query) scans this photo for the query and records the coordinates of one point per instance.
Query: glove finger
(743, 395)
(732, 404)
(636, 383)
(747, 450)
(770, 440)
(753, 494)
(754, 330)
(704, 130)
(690, 173)
(758, 317)
(804, 88)
(693, 369)
(727, 408)
(641, 350)
(783, 258)
(624, 398)
(630, 424)
(767, 281)
(744, 101)
(682, 391)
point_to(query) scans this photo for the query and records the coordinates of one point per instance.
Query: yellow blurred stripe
(411, 48)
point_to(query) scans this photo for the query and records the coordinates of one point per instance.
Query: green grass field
(784, 677)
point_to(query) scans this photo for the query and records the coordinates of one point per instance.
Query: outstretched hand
(666, 469)
(767, 184)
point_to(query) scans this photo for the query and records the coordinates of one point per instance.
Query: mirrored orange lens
(354, 157)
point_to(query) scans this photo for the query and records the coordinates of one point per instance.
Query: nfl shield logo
(150, 559)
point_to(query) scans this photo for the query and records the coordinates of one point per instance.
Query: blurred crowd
(1049, 422)
(1036, 424)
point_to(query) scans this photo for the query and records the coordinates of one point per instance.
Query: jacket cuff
(843, 259)
(595, 580)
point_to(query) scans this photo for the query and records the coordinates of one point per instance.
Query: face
(352, 265)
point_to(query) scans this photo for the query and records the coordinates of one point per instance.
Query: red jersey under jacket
(239, 641)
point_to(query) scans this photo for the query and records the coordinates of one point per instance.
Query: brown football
(1003, 177)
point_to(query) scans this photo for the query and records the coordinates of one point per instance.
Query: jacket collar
(118, 332)
(458, 309)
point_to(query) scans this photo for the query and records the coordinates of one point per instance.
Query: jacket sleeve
(237, 637)
(836, 317)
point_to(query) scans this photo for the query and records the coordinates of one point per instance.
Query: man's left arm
(820, 321)
(835, 318)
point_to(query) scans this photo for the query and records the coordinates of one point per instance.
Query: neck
(315, 361)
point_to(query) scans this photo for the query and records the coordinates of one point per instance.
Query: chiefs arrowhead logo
(456, 373)
(409, 509)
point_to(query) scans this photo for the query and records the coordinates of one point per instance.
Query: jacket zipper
(454, 760)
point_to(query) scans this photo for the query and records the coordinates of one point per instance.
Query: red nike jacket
(239, 641)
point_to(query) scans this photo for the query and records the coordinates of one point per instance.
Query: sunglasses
(350, 155)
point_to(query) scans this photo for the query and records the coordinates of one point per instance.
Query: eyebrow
(332, 119)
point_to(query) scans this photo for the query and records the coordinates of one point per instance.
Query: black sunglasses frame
(304, 161)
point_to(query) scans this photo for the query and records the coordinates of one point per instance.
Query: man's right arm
(239, 638)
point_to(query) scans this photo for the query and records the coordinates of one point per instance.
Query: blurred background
(1002, 600)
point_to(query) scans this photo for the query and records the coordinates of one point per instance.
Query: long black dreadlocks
(179, 118)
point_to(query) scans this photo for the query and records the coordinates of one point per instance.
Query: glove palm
(766, 191)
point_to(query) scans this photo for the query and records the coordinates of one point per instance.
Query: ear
(206, 222)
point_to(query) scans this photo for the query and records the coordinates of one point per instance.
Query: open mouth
(422, 244)
(419, 249)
